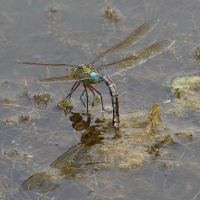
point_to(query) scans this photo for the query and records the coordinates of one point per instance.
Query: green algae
(188, 90)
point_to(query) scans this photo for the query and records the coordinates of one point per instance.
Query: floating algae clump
(189, 96)
(132, 148)
(186, 82)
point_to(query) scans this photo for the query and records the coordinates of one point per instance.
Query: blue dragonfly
(91, 73)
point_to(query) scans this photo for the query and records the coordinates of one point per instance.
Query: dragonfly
(91, 73)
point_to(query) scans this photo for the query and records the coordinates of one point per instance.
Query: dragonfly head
(72, 70)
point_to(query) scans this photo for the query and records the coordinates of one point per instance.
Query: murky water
(48, 152)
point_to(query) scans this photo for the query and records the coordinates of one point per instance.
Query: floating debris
(12, 153)
(63, 103)
(25, 118)
(53, 9)
(166, 164)
(184, 135)
(66, 104)
(167, 101)
(111, 13)
(155, 123)
(26, 156)
(155, 148)
(197, 52)
(5, 100)
(177, 93)
(42, 97)
(10, 122)
(36, 57)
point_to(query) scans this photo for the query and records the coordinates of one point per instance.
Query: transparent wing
(131, 39)
(29, 63)
(133, 60)
(69, 77)
(117, 66)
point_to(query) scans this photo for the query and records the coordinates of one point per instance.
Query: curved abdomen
(114, 96)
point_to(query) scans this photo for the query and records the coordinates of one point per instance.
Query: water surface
(42, 155)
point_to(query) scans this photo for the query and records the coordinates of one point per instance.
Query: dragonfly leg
(75, 86)
(87, 85)
(86, 95)
(81, 98)
(84, 92)
(92, 88)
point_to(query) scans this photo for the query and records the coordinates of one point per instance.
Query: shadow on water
(72, 164)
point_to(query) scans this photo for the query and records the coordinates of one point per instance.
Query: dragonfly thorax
(82, 68)
(82, 72)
